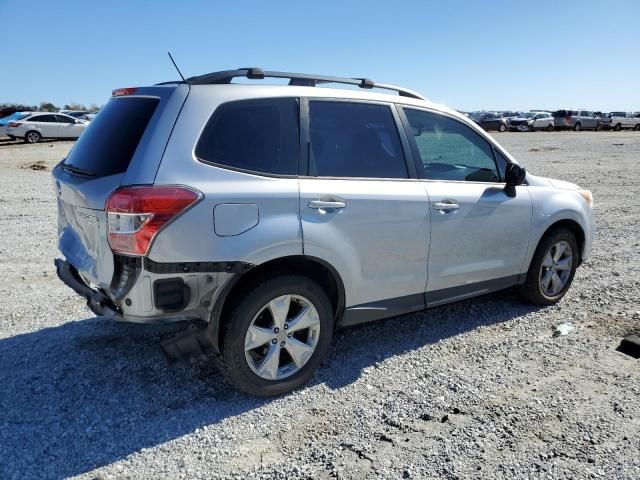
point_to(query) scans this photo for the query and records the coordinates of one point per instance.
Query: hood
(552, 182)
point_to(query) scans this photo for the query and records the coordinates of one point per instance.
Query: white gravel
(479, 389)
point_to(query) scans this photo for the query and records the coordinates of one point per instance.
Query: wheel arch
(571, 225)
(312, 267)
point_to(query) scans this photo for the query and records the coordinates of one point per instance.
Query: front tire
(637, 127)
(502, 128)
(618, 127)
(552, 268)
(32, 137)
(276, 335)
(577, 127)
(550, 128)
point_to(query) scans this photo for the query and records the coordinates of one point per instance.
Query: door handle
(445, 206)
(324, 204)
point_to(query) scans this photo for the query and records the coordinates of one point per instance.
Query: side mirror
(514, 176)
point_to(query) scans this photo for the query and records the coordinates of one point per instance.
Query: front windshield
(476, 115)
(529, 115)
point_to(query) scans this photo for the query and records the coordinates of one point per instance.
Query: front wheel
(598, 127)
(552, 268)
(637, 127)
(276, 335)
(502, 127)
(577, 127)
(549, 128)
(618, 127)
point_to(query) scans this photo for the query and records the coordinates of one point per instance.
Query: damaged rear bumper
(148, 292)
(97, 301)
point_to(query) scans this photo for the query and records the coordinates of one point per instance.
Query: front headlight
(588, 197)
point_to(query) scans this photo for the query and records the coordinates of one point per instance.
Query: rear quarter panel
(192, 237)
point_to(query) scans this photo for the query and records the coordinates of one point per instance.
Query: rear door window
(259, 136)
(107, 146)
(349, 139)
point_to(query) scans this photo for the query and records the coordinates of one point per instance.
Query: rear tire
(245, 353)
(598, 127)
(618, 127)
(549, 278)
(32, 137)
(637, 127)
(502, 128)
(550, 128)
(577, 127)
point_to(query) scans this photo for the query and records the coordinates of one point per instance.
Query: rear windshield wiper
(77, 170)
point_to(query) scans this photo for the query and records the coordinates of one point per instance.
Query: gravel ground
(479, 389)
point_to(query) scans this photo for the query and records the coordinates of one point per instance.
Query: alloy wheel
(282, 337)
(556, 268)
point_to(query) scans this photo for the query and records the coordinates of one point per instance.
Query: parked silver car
(38, 125)
(280, 213)
(576, 120)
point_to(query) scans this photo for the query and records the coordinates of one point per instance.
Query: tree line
(50, 107)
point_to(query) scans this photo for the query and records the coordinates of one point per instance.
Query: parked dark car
(490, 121)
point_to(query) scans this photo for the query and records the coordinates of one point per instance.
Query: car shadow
(88, 393)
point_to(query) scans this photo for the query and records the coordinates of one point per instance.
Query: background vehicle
(509, 114)
(79, 114)
(619, 120)
(196, 200)
(6, 120)
(490, 121)
(532, 121)
(39, 125)
(576, 120)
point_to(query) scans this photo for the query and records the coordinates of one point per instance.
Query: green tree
(75, 106)
(48, 107)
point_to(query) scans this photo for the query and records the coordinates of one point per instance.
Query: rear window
(108, 144)
(253, 135)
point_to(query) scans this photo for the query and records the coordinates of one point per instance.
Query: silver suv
(279, 213)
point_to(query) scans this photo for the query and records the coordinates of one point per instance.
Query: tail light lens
(14, 124)
(119, 92)
(136, 214)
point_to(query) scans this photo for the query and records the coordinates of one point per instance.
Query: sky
(470, 55)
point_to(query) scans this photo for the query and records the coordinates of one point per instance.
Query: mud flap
(191, 346)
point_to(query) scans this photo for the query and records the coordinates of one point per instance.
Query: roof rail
(299, 79)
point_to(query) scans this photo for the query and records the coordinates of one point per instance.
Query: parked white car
(620, 120)
(532, 121)
(41, 125)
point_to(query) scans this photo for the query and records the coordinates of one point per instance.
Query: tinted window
(502, 163)
(65, 119)
(450, 150)
(259, 136)
(354, 140)
(42, 118)
(108, 144)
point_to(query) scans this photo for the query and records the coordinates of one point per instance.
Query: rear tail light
(136, 214)
(13, 124)
(119, 92)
